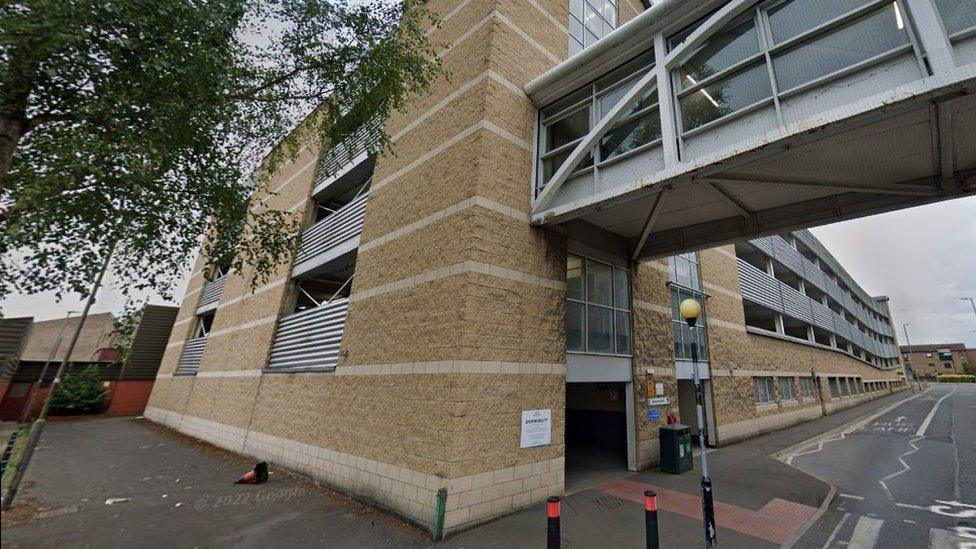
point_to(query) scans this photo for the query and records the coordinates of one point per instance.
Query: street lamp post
(911, 363)
(972, 303)
(690, 310)
(34, 435)
(47, 363)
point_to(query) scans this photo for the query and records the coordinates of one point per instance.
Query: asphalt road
(905, 475)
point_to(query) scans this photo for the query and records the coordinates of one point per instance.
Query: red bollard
(650, 519)
(552, 511)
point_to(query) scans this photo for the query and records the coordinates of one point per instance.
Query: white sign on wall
(536, 428)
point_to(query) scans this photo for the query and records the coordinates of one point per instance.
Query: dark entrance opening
(596, 434)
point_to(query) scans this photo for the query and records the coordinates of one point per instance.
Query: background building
(430, 313)
(128, 377)
(931, 360)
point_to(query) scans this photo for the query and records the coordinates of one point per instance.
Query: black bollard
(650, 519)
(552, 510)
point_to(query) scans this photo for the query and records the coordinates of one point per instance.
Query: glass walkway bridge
(699, 123)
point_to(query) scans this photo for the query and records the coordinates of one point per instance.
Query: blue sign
(654, 414)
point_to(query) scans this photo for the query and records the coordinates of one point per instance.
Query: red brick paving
(775, 522)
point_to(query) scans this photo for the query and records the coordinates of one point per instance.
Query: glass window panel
(623, 333)
(574, 277)
(724, 49)
(621, 289)
(566, 102)
(592, 20)
(574, 326)
(611, 13)
(599, 329)
(640, 63)
(576, 29)
(725, 96)
(678, 345)
(693, 280)
(687, 341)
(702, 333)
(599, 283)
(567, 129)
(957, 15)
(786, 388)
(630, 135)
(797, 16)
(682, 271)
(550, 165)
(590, 38)
(576, 8)
(609, 100)
(871, 35)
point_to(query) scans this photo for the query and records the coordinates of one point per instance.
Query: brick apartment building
(443, 294)
(45, 342)
(931, 360)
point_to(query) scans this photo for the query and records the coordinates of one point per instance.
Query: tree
(145, 122)
(80, 392)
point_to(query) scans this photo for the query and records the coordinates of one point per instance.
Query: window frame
(596, 90)
(768, 49)
(789, 382)
(580, 18)
(767, 384)
(613, 308)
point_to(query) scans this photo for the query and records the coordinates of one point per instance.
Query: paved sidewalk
(180, 493)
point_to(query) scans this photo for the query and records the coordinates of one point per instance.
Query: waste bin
(676, 448)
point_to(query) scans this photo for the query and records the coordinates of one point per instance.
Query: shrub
(80, 393)
(956, 378)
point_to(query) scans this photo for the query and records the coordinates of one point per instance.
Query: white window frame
(791, 381)
(577, 15)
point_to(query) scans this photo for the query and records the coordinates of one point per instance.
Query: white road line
(928, 418)
(905, 467)
(866, 533)
(910, 506)
(816, 444)
(852, 496)
(833, 534)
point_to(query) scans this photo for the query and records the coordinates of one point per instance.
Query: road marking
(900, 419)
(833, 534)
(852, 496)
(910, 506)
(907, 521)
(944, 539)
(816, 444)
(866, 533)
(905, 467)
(928, 419)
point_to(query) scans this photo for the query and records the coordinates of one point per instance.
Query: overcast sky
(923, 258)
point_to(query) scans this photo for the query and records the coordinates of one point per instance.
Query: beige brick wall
(456, 320)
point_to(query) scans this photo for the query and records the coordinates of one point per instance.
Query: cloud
(923, 258)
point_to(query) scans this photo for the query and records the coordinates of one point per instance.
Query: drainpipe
(819, 382)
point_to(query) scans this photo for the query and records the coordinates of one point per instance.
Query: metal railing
(192, 354)
(309, 339)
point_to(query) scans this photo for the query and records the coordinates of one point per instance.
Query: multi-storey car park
(523, 252)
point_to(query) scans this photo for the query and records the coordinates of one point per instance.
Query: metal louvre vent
(309, 340)
(210, 294)
(762, 289)
(192, 355)
(361, 141)
(345, 223)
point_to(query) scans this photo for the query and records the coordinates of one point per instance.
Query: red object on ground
(255, 476)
